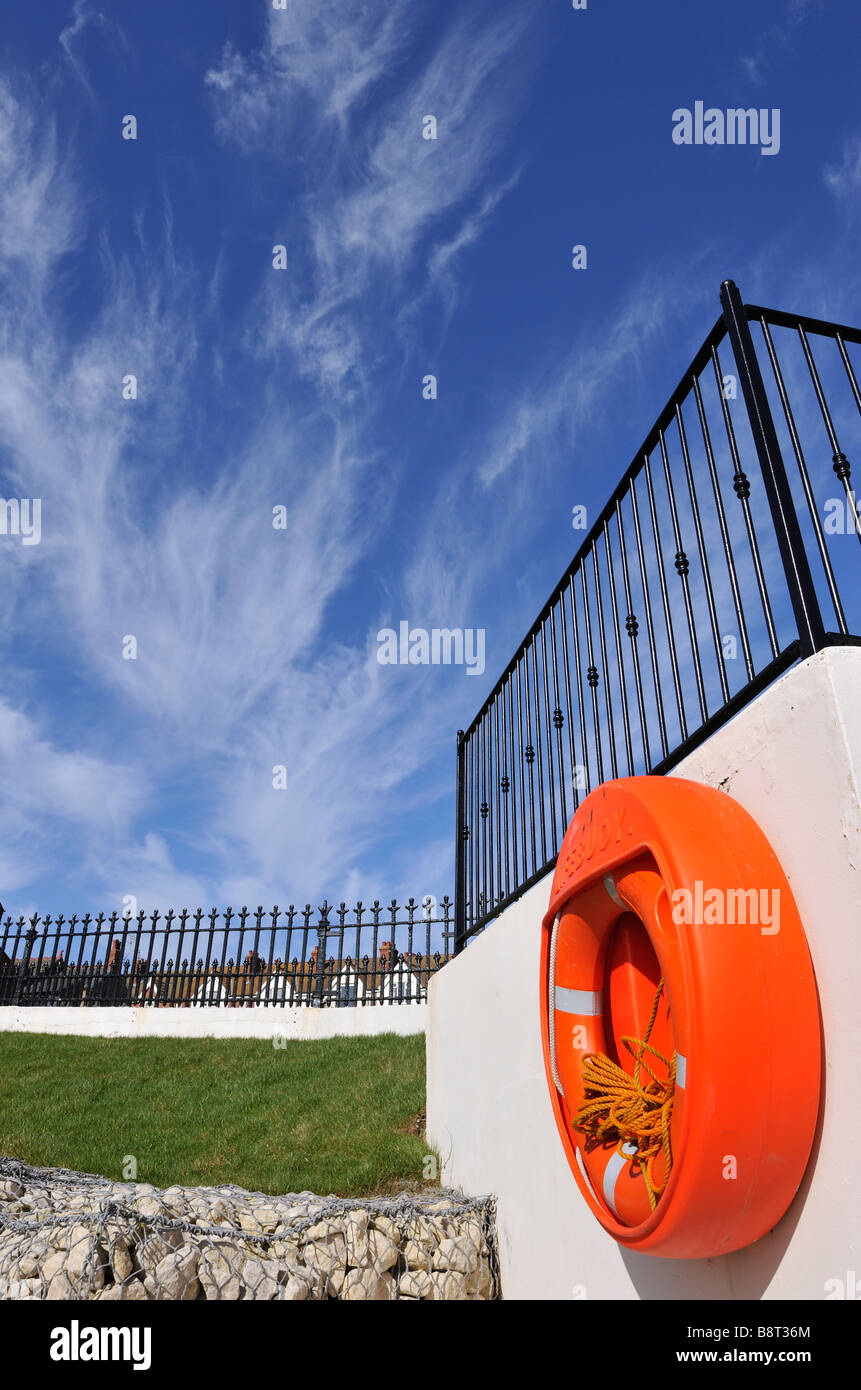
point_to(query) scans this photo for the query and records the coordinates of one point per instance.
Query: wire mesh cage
(74, 1236)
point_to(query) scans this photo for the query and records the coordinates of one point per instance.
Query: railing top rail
(786, 320)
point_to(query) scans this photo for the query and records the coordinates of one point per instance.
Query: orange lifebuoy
(662, 878)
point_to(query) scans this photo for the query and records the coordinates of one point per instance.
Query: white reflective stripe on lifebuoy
(681, 1071)
(611, 1174)
(610, 885)
(579, 1001)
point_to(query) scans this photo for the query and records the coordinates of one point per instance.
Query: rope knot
(630, 1110)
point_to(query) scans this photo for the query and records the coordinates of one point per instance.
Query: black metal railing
(365, 956)
(714, 566)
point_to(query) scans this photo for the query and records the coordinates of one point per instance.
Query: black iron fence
(335, 957)
(728, 551)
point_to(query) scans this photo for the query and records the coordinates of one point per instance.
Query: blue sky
(302, 388)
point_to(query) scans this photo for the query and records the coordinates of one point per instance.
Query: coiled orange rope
(619, 1106)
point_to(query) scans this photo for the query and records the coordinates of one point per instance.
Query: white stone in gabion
(214, 1214)
(327, 1252)
(82, 1260)
(287, 1250)
(366, 1284)
(382, 1254)
(418, 1243)
(156, 1246)
(261, 1279)
(133, 1291)
(218, 1270)
(60, 1287)
(415, 1283)
(447, 1286)
(326, 1229)
(175, 1277)
(479, 1284)
(295, 1290)
(23, 1289)
(64, 1236)
(299, 1213)
(153, 1207)
(388, 1227)
(356, 1234)
(417, 1257)
(120, 1254)
(269, 1220)
(28, 1264)
(459, 1255)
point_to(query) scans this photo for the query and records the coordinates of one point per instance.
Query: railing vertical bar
(801, 462)
(575, 630)
(558, 718)
(650, 627)
(671, 637)
(802, 591)
(551, 779)
(512, 777)
(538, 753)
(704, 562)
(626, 722)
(484, 900)
(724, 530)
(566, 671)
(632, 628)
(472, 813)
(853, 381)
(530, 759)
(682, 568)
(741, 488)
(460, 849)
(504, 792)
(520, 762)
(840, 462)
(496, 795)
(605, 664)
(593, 676)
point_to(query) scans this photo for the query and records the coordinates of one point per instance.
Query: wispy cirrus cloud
(325, 60)
(843, 177)
(39, 213)
(389, 200)
(777, 38)
(235, 672)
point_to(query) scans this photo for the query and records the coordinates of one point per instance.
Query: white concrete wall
(292, 1022)
(793, 760)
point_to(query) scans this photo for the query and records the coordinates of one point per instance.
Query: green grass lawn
(327, 1116)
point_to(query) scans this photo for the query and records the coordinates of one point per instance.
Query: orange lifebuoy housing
(661, 878)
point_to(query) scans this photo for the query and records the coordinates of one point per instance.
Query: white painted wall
(793, 760)
(217, 1023)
